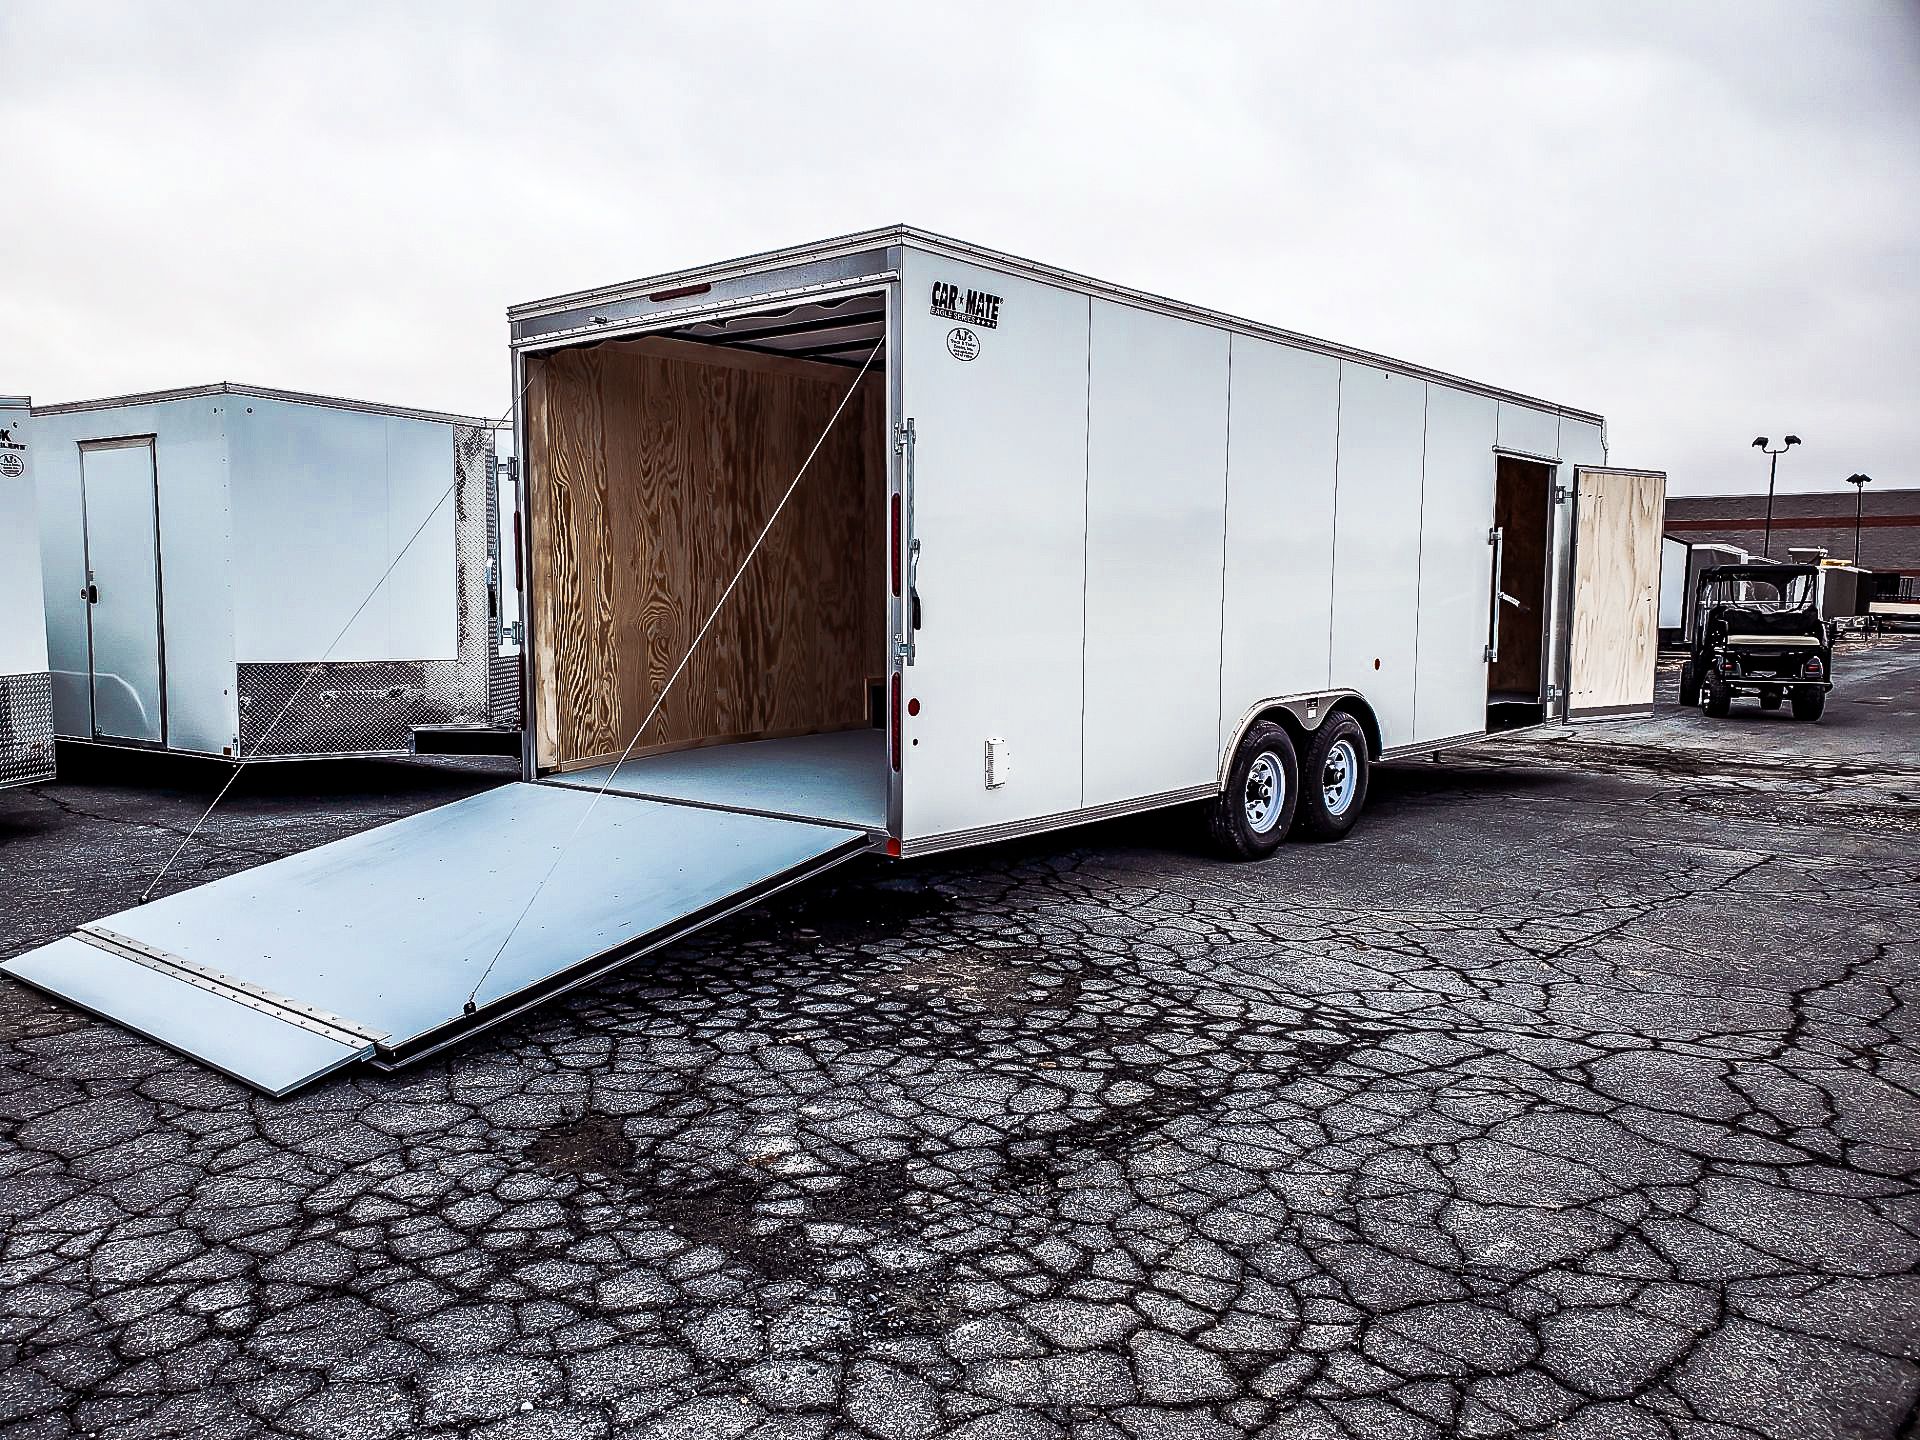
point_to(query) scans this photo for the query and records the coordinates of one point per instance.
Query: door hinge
(1553, 693)
(511, 632)
(1560, 493)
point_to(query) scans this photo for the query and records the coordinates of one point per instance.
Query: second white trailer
(236, 571)
(894, 544)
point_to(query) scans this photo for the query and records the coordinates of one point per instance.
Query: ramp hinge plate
(297, 1013)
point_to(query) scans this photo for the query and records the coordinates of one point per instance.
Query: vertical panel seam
(1333, 539)
(1226, 502)
(1420, 559)
(1086, 528)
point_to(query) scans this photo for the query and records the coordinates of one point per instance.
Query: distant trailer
(26, 689)
(1051, 551)
(1682, 563)
(207, 553)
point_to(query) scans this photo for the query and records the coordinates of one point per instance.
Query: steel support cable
(314, 670)
(678, 670)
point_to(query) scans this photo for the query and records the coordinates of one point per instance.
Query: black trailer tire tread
(1315, 821)
(1689, 687)
(1227, 827)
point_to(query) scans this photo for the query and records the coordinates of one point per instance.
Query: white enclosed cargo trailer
(207, 553)
(26, 689)
(1682, 563)
(896, 544)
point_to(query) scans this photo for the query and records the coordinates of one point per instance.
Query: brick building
(1889, 528)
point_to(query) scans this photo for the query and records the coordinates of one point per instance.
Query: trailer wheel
(1252, 816)
(1689, 686)
(1336, 779)
(1809, 704)
(1715, 698)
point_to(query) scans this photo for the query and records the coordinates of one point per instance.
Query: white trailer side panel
(190, 469)
(1581, 443)
(323, 501)
(999, 501)
(23, 630)
(1282, 447)
(1456, 565)
(1376, 564)
(1530, 431)
(1156, 503)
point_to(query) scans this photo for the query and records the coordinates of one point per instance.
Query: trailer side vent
(999, 762)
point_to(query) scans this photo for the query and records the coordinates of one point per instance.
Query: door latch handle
(91, 594)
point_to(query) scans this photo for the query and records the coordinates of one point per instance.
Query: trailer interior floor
(839, 778)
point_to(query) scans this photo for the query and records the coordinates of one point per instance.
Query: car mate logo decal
(976, 307)
(962, 343)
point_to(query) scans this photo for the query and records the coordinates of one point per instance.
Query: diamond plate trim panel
(26, 728)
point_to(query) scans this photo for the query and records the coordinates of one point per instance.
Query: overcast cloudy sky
(1702, 220)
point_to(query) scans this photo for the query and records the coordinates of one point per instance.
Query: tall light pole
(1773, 469)
(1859, 483)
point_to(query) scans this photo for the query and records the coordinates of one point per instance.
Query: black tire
(1715, 698)
(1809, 704)
(1338, 751)
(1689, 687)
(1770, 699)
(1237, 823)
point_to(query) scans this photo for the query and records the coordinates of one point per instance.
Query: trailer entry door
(372, 946)
(120, 509)
(1615, 637)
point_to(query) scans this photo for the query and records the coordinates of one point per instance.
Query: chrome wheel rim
(1266, 793)
(1341, 778)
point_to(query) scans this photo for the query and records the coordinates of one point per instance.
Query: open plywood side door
(1618, 516)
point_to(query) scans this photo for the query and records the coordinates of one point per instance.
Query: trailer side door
(1614, 638)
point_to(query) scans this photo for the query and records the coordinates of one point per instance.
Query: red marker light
(894, 739)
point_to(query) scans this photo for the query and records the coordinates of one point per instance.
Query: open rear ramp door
(1614, 639)
(372, 947)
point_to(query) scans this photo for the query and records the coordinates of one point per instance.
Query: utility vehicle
(1757, 631)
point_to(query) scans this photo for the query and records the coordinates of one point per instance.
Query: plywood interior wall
(1520, 509)
(652, 464)
(1616, 590)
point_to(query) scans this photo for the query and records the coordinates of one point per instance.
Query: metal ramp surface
(370, 947)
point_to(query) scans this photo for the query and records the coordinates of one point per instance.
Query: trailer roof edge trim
(265, 392)
(841, 245)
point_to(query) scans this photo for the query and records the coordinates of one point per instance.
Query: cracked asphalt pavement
(1574, 1096)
